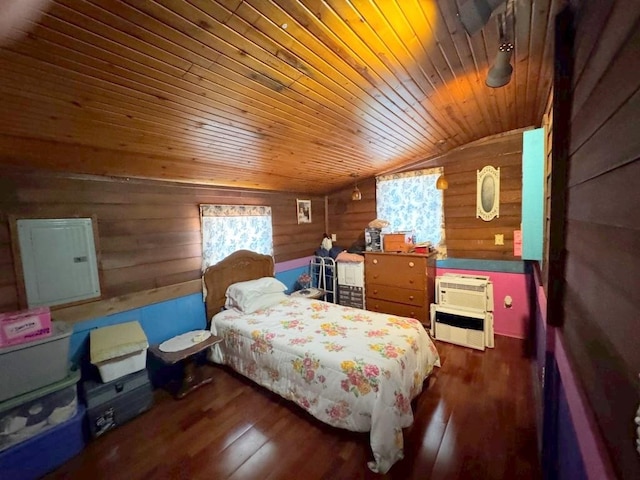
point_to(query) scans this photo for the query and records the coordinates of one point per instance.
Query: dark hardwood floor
(475, 419)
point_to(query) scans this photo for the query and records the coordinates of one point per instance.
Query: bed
(349, 368)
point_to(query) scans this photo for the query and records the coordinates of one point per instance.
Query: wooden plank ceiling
(292, 95)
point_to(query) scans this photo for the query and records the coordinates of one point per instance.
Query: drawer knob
(375, 276)
(411, 282)
(375, 291)
(413, 315)
(375, 260)
(411, 264)
(410, 297)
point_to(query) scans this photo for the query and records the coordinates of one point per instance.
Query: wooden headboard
(240, 266)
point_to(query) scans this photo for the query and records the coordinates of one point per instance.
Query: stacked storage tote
(40, 418)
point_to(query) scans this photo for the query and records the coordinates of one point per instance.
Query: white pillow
(240, 293)
(265, 301)
(261, 302)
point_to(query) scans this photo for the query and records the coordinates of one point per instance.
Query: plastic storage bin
(33, 365)
(27, 415)
(118, 350)
(44, 453)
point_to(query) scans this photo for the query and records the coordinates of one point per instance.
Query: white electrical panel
(58, 260)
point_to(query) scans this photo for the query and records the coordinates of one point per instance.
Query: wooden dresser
(400, 283)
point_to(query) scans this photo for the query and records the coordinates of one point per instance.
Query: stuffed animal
(327, 244)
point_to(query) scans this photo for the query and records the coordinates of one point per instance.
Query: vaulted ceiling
(294, 95)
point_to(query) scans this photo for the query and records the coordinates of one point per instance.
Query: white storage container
(29, 366)
(118, 350)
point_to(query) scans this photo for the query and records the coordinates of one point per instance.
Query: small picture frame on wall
(304, 210)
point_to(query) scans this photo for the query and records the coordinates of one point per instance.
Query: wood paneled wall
(348, 219)
(466, 235)
(598, 284)
(149, 232)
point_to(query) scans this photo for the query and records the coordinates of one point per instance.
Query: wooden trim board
(111, 306)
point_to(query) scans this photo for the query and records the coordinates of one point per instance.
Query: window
(410, 201)
(227, 228)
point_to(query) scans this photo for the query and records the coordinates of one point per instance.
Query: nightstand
(193, 375)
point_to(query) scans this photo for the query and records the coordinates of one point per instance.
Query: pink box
(24, 326)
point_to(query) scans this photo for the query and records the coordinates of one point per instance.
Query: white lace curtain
(227, 228)
(410, 201)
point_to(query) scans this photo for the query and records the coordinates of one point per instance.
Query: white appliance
(462, 327)
(465, 292)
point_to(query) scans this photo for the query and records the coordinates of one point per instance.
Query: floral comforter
(347, 367)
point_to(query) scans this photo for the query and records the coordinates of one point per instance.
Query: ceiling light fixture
(442, 183)
(500, 73)
(356, 194)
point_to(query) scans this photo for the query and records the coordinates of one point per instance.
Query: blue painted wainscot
(161, 321)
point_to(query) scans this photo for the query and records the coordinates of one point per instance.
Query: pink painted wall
(510, 322)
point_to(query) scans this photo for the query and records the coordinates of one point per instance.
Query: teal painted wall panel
(504, 266)
(533, 194)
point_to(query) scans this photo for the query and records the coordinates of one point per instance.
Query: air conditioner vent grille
(462, 286)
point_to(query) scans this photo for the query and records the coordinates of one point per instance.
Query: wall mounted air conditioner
(463, 327)
(467, 292)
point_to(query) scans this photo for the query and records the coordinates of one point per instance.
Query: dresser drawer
(399, 309)
(405, 271)
(396, 261)
(396, 278)
(397, 294)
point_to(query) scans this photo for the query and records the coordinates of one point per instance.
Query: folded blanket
(333, 253)
(349, 257)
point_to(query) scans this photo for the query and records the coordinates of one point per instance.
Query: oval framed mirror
(488, 196)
